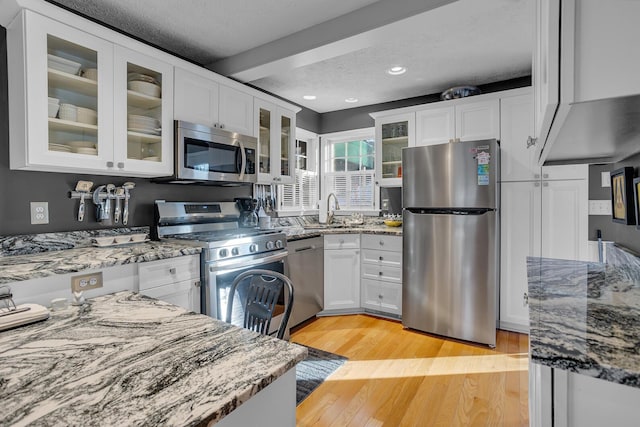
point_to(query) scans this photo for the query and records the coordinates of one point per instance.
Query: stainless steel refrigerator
(450, 198)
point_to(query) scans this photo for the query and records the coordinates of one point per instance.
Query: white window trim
(344, 136)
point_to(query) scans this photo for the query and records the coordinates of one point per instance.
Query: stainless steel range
(228, 250)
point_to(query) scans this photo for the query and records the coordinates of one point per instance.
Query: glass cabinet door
(67, 94)
(264, 141)
(144, 114)
(395, 137)
(287, 141)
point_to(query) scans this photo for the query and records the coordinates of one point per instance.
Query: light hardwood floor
(398, 377)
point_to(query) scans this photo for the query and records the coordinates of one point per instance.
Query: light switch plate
(599, 207)
(605, 177)
(39, 212)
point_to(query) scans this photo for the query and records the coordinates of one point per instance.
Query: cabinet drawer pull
(381, 243)
(380, 296)
(121, 165)
(545, 175)
(536, 176)
(172, 270)
(109, 164)
(381, 259)
(379, 273)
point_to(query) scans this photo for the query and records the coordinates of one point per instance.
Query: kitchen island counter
(297, 233)
(584, 316)
(126, 359)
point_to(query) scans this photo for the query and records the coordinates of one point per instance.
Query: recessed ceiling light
(397, 70)
(309, 97)
(351, 100)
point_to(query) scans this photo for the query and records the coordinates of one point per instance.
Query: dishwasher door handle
(305, 248)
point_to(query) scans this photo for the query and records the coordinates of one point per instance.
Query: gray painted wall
(626, 235)
(18, 188)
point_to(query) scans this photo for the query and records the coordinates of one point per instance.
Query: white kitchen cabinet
(201, 100)
(275, 130)
(565, 215)
(342, 272)
(173, 280)
(73, 140)
(518, 161)
(561, 398)
(381, 274)
(393, 133)
(467, 120)
(520, 234)
(148, 152)
(546, 63)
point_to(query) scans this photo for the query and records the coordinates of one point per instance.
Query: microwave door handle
(244, 160)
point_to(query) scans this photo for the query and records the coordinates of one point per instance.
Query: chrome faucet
(330, 212)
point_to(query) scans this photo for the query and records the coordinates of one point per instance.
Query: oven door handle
(243, 154)
(224, 265)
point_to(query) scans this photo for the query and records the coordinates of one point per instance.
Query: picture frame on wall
(636, 196)
(622, 200)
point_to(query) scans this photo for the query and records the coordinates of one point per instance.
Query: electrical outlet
(599, 207)
(86, 281)
(39, 212)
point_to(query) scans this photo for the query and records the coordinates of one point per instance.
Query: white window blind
(354, 190)
(302, 195)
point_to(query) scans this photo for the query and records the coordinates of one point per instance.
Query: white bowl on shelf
(123, 239)
(90, 73)
(86, 150)
(83, 144)
(145, 88)
(87, 116)
(152, 159)
(68, 112)
(62, 64)
(53, 109)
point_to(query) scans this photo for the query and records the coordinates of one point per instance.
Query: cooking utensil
(125, 215)
(99, 204)
(107, 203)
(83, 187)
(119, 197)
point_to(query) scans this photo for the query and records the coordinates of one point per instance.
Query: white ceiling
(336, 49)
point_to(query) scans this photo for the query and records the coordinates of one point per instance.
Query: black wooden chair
(260, 291)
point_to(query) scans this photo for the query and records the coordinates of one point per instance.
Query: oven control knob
(223, 253)
(235, 251)
(253, 248)
(279, 244)
(270, 245)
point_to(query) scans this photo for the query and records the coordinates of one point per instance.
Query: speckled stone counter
(584, 316)
(125, 359)
(297, 233)
(26, 257)
(26, 267)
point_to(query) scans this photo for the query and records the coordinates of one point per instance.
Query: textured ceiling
(465, 42)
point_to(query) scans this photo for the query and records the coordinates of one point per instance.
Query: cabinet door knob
(531, 142)
(379, 273)
(221, 125)
(109, 164)
(545, 175)
(381, 243)
(172, 270)
(536, 176)
(536, 184)
(380, 258)
(380, 296)
(341, 241)
(121, 165)
(197, 283)
(546, 184)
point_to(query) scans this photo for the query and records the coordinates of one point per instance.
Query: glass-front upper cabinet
(275, 128)
(143, 113)
(393, 133)
(60, 82)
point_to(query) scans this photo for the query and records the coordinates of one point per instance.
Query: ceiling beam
(338, 36)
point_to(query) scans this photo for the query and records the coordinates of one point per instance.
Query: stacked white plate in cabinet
(143, 84)
(62, 64)
(143, 124)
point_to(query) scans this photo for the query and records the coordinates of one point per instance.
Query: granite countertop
(584, 316)
(126, 359)
(297, 233)
(25, 267)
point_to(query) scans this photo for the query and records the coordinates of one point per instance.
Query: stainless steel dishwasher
(305, 267)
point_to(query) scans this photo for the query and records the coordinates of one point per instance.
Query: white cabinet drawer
(165, 271)
(382, 296)
(382, 258)
(379, 272)
(342, 241)
(185, 294)
(386, 243)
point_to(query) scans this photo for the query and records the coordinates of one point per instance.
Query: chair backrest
(263, 288)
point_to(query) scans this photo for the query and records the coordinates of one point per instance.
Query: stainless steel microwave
(208, 155)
